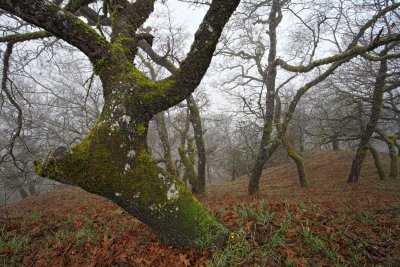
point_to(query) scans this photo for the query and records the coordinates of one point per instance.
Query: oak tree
(113, 160)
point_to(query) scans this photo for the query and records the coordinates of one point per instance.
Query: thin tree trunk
(301, 141)
(195, 120)
(32, 189)
(377, 161)
(298, 159)
(234, 172)
(163, 133)
(23, 194)
(393, 155)
(335, 143)
(208, 173)
(374, 117)
(186, 154)
(274, 19)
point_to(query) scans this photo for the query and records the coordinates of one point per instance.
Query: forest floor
(330, 223)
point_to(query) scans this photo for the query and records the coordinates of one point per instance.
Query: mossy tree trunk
(186, 154)
(377, 161)
(274, 19)
(298, 159)
(393, 161)
(373, 120)
(390, 141)
(398, 146)
(113, 160)
(164, 137)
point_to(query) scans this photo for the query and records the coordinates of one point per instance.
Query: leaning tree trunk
(393, 155)
(22, 192)
(298, 159)
(373, 120)
(113, 161)
(377, 161)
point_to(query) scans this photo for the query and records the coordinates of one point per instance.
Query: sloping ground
(330, 223)
(74, 228)
(327, 172)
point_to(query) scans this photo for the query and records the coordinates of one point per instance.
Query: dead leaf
(184, 260)
(4, 251)
(250, 225)
(107, 241)
(301, 262)
(290, 232)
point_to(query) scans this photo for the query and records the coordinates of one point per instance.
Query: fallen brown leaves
(329, 222)
(74, 228)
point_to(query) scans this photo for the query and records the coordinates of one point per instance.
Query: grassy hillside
(330, 223)
(327, 172)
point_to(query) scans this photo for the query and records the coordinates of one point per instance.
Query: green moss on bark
(101, 164)
(298, 159)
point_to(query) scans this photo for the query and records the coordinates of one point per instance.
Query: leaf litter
(330, 223)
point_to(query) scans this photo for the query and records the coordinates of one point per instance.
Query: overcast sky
(186, 15)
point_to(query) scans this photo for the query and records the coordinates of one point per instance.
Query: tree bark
(22, 193)
(113, 161)
(195, 120)
(298, 159)
(234, 171)
(164, 137)
(186, 154)
(377, 161)
(373, 120)
(335, 143)
(393, 155)
(32, 189)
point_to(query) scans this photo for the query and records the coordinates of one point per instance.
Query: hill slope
(329, 223)
(327, 172)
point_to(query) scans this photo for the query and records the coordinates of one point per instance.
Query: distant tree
(165, 141)
(377, 161)
(332, 121)
(55, 116)
(167, 61)
(256, 58)
(391, 143)
(372, 122)
(113, 160)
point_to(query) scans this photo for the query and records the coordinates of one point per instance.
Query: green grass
(14, 243)
(87, 233)
(301, 235)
